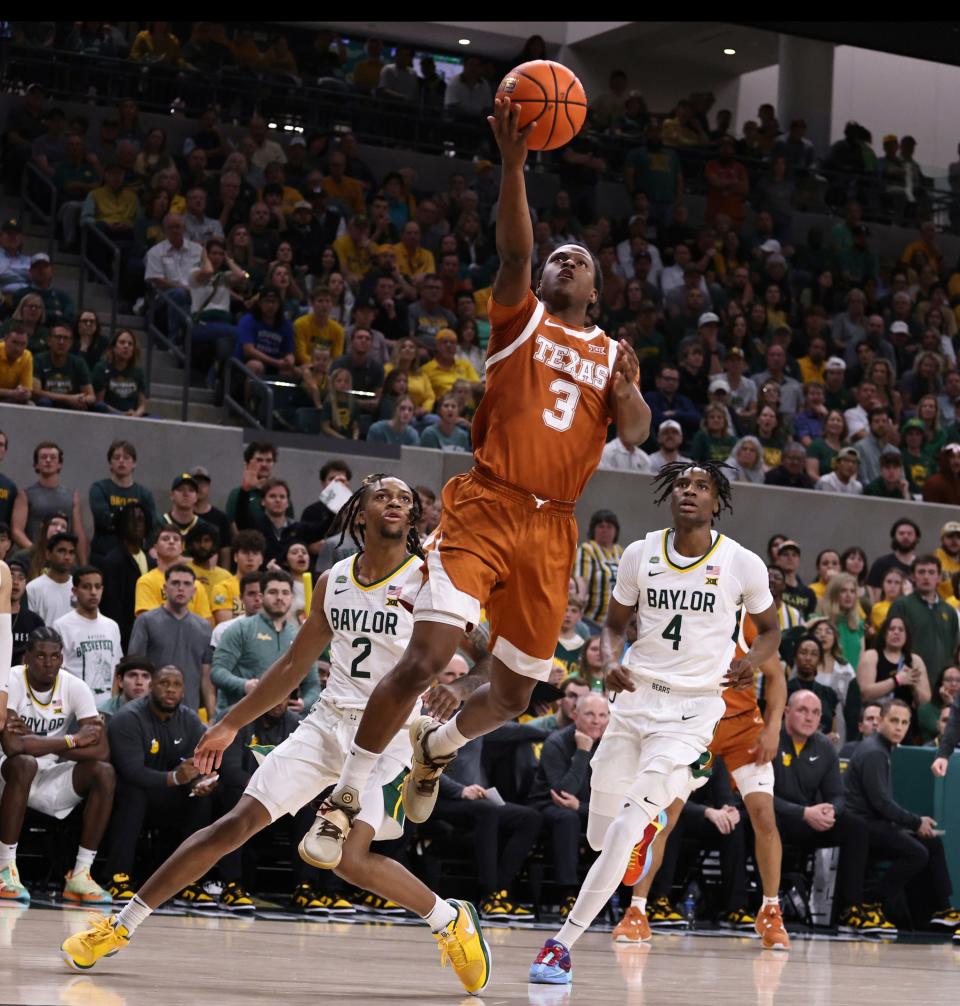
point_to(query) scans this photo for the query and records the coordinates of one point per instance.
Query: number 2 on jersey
(672, 631)
(365, 646)
(560, 417)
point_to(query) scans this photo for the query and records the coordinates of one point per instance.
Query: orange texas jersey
(542, 421)
(742, 701)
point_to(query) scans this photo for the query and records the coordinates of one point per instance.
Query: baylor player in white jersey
(687, 584)
(357, 610)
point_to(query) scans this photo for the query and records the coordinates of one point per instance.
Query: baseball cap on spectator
(669, 424)
(789, 543)
(771, 245)
(900, 328)
(39, 258)
(719, 383)
(951, 527)
(17, 564)
(370, 302)
(849, 454)
(199, 472)
(181, 478)
(446, 335)
(776, 259)
(912, 424)
(11, 225)
(707, 318)
(891, 138)
(302, 204)
(836, 363)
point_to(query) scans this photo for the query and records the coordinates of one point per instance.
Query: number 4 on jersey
(672, 631)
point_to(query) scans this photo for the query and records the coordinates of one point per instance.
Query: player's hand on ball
(739, 676)
(212, 744)
(511, 140)
(617, 679)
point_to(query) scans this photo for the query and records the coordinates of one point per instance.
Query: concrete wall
(816, 520)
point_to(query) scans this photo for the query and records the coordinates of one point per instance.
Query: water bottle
(690, 898)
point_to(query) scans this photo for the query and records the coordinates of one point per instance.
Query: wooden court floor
(190, 961)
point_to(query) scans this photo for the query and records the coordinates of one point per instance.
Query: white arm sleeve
(754, 582)
(627, 588)
(6, 650)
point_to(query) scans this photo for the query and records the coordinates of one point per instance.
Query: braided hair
(346, 520)
(670, 472)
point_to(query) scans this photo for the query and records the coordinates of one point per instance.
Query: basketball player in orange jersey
(748, 742)
(507, 538)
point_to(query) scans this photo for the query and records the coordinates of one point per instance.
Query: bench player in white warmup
(356, 609)
(688, 582)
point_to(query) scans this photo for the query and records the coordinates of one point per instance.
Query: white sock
(639, 903)
(8, 854)
(85, 858)
(771, 901)
(133, 914)
(441, 915)
(447, 739)
(604, 876)
(357, 767)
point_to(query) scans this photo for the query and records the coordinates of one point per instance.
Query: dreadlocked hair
(670, 472)
(346, 520)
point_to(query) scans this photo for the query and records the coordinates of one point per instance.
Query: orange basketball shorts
(501, 548)
(732, 742)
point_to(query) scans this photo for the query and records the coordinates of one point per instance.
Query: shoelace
(327, 829)
(101, 928)
(550, 955)
(450, 949)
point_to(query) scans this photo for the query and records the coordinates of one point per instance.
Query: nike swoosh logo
(814, 757)
(342, 591)
(179, 740)
(685, 718)
(647, 799)
(650, 572)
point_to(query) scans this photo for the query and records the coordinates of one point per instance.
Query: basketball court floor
(187, 960)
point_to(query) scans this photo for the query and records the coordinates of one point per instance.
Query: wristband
(71, 741)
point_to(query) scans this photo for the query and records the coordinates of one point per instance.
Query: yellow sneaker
(463, 945)
(103, 939)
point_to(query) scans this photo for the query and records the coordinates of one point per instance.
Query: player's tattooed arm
(281, 678)
(442, 701)
(613, 639)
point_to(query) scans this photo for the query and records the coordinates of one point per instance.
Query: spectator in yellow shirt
(413, 259)
(156, 45)
(340, 188)
(150, 591)
(317, 328)
(355, 250)
(444, 370)
(203, 544)
(16, 366)
(419, 389)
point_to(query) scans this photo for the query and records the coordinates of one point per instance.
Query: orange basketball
(549, 94)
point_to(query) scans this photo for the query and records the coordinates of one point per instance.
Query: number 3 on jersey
(560, 417)
(672, 631)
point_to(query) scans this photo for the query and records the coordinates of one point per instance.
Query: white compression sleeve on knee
(604, 876)
(597, 827)
(6, 649)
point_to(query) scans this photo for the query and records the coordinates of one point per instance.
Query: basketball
(550, 95)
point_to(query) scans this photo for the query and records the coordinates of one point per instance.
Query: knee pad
(656, 789)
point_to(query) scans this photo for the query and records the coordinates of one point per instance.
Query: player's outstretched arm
(630, 412)
(514, 229)
(613, 638)
(275, 686)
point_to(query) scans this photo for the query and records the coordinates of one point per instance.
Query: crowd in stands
(807, 360)
(175, 608)
(804, 360)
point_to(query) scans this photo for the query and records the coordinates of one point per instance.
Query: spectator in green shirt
(109, 496)
(711, 442)
(57, 305)
(75, 178)
(932, 622)
(251, 644)
(448, 434)
(891, 483)
(61, 380)
(118, 380)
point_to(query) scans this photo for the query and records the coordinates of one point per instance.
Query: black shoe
(305, 899)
